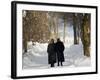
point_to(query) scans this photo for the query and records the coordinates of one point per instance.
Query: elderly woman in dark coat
(51, 53)
(59, 50)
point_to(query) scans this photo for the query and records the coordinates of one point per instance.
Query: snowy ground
(37, 56)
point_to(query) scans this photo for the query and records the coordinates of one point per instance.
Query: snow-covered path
(37, 56)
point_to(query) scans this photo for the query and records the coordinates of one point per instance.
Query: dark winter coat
(51, 53)
(59, 50)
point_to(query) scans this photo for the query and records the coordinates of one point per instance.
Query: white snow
(37, 56)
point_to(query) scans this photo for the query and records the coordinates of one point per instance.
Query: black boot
(58, 63)
(61, 64)
(52, 64)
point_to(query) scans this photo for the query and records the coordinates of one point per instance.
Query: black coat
(51, 53)
(60, 49)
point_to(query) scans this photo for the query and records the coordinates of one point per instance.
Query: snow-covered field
(37, 56)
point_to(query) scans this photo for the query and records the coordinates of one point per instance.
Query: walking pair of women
(55, 52)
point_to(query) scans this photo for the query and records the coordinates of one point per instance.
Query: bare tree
(86, 34)
(35, 27)
(77, 27)
(65, 23)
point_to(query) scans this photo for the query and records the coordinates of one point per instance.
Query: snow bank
(74, 56)
(37, 56)
(38, 49)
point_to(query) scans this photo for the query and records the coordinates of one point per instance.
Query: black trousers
(60, 63)
(52, 64)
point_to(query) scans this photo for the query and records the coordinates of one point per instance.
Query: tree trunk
(57, 27)
(75, 29)
(64, 34)
(78, 28)
(86, 35)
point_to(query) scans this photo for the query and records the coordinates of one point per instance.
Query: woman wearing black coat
(59, 50)
(51, 53)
